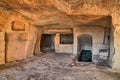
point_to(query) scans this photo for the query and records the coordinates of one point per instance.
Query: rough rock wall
(116, 59)
(20, 44)
(2, 47)
(20, 35)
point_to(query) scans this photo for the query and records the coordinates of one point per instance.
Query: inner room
(58, 40)
(91, 41)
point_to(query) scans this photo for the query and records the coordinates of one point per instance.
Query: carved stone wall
(2, 47)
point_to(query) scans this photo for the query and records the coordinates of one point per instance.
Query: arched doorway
(85, 48)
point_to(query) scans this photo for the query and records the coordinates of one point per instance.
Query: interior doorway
(47, 43)
(85, 48)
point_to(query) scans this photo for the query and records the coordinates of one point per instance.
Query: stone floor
(51, 66)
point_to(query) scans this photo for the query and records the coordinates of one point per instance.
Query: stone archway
(85, 48)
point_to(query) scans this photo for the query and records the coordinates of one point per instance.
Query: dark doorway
(85, 55)
(85, 48)
(47, 43)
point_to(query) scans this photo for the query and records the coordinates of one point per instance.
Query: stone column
(37, 49)
(57, 40)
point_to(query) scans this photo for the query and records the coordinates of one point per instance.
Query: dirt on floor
(54, 66)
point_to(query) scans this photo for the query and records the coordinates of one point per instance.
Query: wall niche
(17, 26)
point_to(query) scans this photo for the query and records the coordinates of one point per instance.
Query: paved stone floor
(51, 66)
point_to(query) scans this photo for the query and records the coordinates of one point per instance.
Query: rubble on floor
(53, 66)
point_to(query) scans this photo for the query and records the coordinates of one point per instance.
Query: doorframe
(79, 43)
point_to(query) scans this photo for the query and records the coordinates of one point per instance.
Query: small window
(66, 38)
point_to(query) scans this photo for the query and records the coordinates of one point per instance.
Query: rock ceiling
(45, 12)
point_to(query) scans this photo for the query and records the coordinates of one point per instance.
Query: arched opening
(85, 48)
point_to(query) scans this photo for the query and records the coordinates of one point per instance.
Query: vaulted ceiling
(45, 12)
